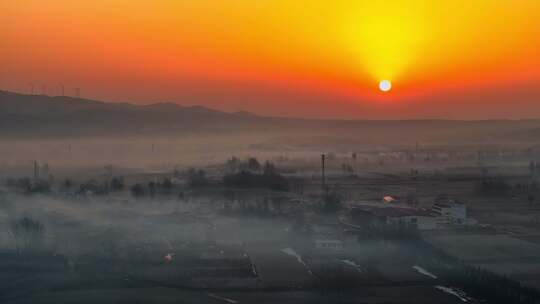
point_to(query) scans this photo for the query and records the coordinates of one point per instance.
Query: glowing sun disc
(385, 85)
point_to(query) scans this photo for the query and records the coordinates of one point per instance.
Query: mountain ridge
(41, 116)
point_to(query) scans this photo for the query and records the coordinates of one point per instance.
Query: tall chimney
(323, 157)
(36, 169)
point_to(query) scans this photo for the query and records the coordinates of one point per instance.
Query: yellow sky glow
(342, 46)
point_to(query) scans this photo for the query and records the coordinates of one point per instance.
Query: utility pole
(354, 156)
(323, 181)
(36, 169)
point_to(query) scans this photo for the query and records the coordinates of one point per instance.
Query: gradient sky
(453, 59)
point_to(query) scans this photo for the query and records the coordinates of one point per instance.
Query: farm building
(370, 216)
(450, 211)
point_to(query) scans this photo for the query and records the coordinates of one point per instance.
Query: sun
(385, 85)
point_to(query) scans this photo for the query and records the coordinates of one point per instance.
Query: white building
(328, 244)
(419, 218)
(327, 237)
(450, 212)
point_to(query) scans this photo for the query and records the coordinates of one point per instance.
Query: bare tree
(28, 234)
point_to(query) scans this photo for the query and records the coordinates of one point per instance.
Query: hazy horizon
(521, 109)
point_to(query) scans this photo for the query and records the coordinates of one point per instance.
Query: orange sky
(454, 59)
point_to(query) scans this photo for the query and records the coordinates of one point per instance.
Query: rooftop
(396, 211)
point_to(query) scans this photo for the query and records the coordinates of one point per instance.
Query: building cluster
(444, 213)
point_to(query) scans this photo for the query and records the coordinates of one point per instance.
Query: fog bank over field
(101, 202)
(84, 227)
(68, 132)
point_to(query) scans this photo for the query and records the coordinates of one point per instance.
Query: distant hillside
(39, 116)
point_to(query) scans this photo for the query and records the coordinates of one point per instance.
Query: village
(328, 223)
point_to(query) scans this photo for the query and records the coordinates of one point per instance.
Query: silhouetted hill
(37, 116)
